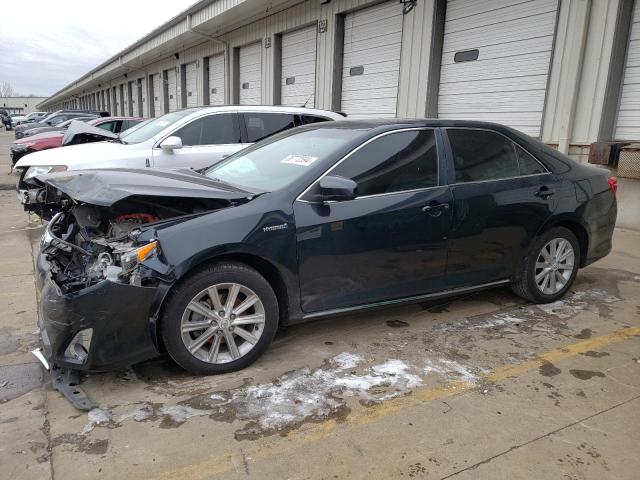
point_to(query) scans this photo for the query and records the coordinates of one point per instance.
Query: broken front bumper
(102, 327)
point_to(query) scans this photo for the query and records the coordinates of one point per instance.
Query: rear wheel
(220, 319)
(550, 267)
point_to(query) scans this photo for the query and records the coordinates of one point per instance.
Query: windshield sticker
(163, 123)
(304, 160)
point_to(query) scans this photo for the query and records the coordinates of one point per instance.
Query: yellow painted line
(317, 432)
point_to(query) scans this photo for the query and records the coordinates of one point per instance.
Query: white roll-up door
(191, 77)
(125, 99)
(172, 89)
(145, 100)
(250, 69)
(371, 61)
(495, 61)
(299, 67)
(628, 119)
(133, 101)
(119, 107)
(157, 95)
(216, 80)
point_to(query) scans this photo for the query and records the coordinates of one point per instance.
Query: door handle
(435, 209)
(544, 193)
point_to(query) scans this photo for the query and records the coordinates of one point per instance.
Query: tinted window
(482, 155)
(111, 126)
(528, 164)
(307, 119)
(393, 163)
(263, 125)
(210, 130)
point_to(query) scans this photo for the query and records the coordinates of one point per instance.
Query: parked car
(192, 138)
(16, 118)
(318, 221)
(35, 117)
(55, 137)
(57, 128)
(56, 118)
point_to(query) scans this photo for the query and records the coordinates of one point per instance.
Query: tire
(216, 355)
(525, 283)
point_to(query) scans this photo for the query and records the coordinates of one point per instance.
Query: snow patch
(181, 413)
(346, 360)
(96, 416)
(450, 370)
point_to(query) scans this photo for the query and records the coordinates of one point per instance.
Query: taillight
(613, 183)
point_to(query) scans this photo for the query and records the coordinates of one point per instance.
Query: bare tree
(6, 90)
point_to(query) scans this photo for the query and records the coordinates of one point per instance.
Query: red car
(43, 141)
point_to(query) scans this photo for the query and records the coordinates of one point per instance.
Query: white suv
(192, 138)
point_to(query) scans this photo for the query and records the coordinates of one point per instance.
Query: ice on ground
(450, 370)
(346, 360)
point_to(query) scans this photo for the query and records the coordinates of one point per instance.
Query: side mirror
(334, 188)
(171, 143)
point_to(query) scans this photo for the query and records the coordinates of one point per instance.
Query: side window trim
(362, 145)
(449, 154)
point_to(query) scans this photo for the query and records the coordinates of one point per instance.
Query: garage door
(120, 91)
(216, 80)
(125, 99)
(299, 67)
(628, 121)
(250, 66)
(495, 61)
(371, 62)
(133, 100)
(157, 92)
(114, 98)
(172, 89)
(145, 101)
(191, 77)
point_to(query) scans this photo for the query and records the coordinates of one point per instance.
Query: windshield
(267, 167)
(154, 127)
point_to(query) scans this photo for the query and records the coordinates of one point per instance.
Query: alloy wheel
(222, 323)
(554, 266)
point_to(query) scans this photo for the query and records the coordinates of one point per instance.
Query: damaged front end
(102, 275)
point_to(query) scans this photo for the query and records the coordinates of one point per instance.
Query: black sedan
(317, 221)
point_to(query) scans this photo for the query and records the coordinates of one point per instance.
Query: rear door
(501, 198)
(205, 141)
(390, 241)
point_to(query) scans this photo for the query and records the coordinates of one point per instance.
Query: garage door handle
(435, 209)
(544, 193)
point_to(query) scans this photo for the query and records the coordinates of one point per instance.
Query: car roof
(110, 119)
(266, 108)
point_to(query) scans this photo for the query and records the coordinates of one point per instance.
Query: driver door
(390, 241)
(205, 141)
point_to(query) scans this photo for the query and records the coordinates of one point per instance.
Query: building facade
(565, 71)
(22, 105)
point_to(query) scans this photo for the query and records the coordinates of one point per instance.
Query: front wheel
(220, 319)
(550, 267)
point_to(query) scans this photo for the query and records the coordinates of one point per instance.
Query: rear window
(263, 125)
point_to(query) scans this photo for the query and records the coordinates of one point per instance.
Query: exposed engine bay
(85, 243)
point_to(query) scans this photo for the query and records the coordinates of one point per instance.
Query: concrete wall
(21, 104)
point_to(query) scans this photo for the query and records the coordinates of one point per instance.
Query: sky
(45, 45)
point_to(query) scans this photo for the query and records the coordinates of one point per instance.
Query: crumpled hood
(108, 186)
(77, 127)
